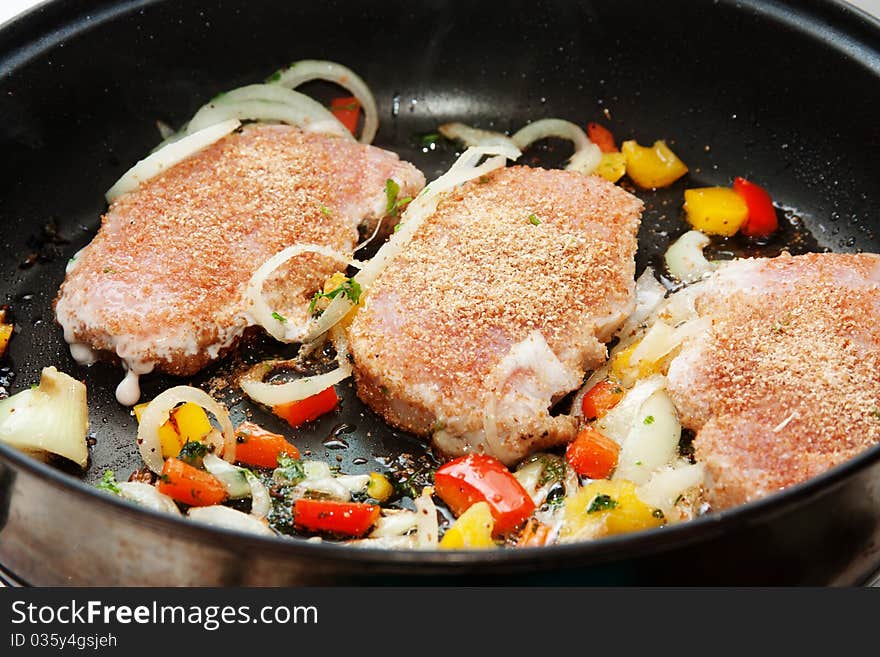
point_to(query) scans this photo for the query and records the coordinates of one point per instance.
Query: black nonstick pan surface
(785, 93)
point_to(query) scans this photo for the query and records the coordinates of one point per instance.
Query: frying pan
(785, 93)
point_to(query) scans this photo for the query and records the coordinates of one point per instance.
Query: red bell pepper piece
(345, 518)
(481, 478)
(762, 219)
(184, 483)
(602, 137)
(601, 398)
(348, 110)
(305, 410)
(592, 455)
(258, 447)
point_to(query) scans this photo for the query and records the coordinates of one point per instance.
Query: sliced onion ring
(586, 154)
(313, 69)
(474, 136)
(261, 313)
(269, 102)
(261, 504)
(169, 155)
(157, 412)
(274, 394)
(464, 169)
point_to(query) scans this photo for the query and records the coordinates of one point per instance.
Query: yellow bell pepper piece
(715, 210)
(379, 488)
(187, 422)
(612, 166)
(472, 530)
(5, 334)
(604, 508)
(652, 166)
(626, 373)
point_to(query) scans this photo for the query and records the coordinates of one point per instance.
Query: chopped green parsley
(279, 318)
(394, 204)
(108, 483)
(602, 503)
(649, 419)
(349, 287)
(534, 220)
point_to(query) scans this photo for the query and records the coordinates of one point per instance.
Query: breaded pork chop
(786, 382)
(495, 309)
(161, 285)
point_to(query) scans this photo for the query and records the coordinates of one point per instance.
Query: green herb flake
(554, 470)
(278, 318)
(394, 205)
(108, 483)
(290, 471)
(275, 76)
(638, 462)
(397, 227)
(326, 211)
(602, 503)
(649, 419)
(349, 287)
(193, 452)
(876, 412)
(429, 139)
(534, 220)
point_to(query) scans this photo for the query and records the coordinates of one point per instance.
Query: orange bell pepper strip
(592, 455)
(260, 448)
(347, 109)
(480, 478)
(297, 413)
(184, 483)
(601, 398)
(602, 137)
(344, 518)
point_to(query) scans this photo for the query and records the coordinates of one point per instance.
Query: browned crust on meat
(787, 382)
(477, 277)
(183, 245)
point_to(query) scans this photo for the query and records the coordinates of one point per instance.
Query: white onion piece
(649, 293)
(260, 312)
(652, 441)
(171, 154)
(428, 531)
(617, 422)
(147, 496)
(328, 486)
(157, 412)
(474, 136)
(586, 154)
(269, 102)
(233, 478)
(395, 523)
(685, 259)
(464, 169)
(544, 128)
(316, 470)
(668, 484)
(227, 518)
(261, 503)
(354, 483)
(312, 69)
(585, 161)
(272, 394)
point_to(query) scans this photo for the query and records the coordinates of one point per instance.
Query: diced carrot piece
(592, 455)
(602, 137)
(601, 398)
(184, 483)
(257, 447)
